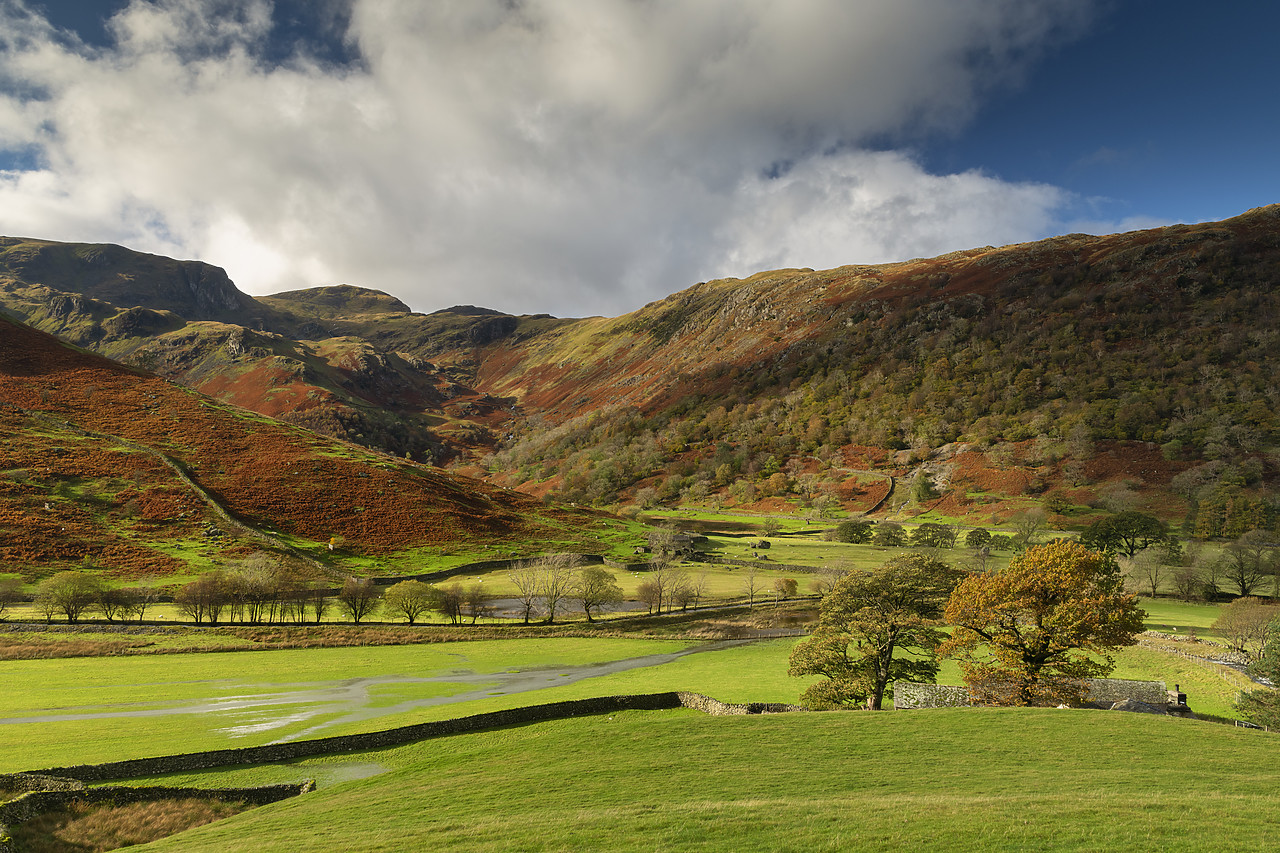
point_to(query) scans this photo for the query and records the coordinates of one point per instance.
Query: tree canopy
(876, 627)
(1125, 533)
(1027, 635)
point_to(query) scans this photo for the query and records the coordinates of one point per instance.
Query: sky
(580, 157)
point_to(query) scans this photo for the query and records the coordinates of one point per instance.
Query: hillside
(1075, 368)
(114, 467)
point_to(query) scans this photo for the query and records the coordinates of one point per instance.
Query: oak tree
(876, 627)
(1031, 633)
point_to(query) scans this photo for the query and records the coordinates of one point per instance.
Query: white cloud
(545, 155)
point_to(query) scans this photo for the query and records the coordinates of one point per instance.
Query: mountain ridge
(1150, 336)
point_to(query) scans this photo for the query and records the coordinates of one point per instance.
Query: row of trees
(73, 594)
(1028, 634)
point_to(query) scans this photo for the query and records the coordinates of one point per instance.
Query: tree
(930, 534)
(785, 588)
(889, 534)
(875, 627)
(1027, 525)
(1148, 569)
(450, 602)
(1248, 625)
(410, 599)
(858, 531)
(204, 598)
(359, 598)
(70, 593)
(596, 589)
(476, 602)
(1250, 559)
(526, 578)
(977, 538)
(556, 579)
(1125, 533)
(110, 602)
(751, 584)
(1026, 635)
(10, 593)
(1260, 707)
(828, 577)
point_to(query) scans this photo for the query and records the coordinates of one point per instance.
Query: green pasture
(955, 779)
(290, 691)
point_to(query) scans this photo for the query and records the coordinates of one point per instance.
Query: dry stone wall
(1103, 693)
(58, 793)
(407, 734)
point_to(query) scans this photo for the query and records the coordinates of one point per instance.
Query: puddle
(338, 703)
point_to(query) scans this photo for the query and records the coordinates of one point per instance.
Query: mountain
(113, 466)
(1074, 369)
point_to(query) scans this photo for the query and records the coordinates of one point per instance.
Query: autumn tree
(784, 588)
(359, 598)
(596, 589)
(876, 627)
(410, 599)
(1030, 634)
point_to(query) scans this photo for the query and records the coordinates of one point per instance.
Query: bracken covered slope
(112, 465)
(1159, 344)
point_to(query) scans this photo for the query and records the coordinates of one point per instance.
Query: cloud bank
(527, 155)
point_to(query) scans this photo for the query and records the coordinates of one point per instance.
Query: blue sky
(580, 158)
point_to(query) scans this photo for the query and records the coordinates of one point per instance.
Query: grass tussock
(88, 828)
(40, 648)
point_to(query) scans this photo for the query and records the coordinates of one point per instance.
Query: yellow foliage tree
(1028, 635)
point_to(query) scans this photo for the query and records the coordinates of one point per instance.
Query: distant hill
(121, 469)
(1052, 366)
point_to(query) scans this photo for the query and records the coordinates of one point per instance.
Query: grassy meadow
(962, 779)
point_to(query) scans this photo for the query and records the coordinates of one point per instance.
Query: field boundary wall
(408, 734)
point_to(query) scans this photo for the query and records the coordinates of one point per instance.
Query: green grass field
(964, 779)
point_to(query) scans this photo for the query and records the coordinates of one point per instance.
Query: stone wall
(62, 793)
(405, 734)
(1103, 693)
(910, 695)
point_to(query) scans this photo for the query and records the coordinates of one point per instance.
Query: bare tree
(1148, 568)
(526, 578)
(204, 598)
(359, 598)
(476, 602)
(1027, 525)
(1247, 624)
(752, 584)
(556, 582)
(829, 576)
